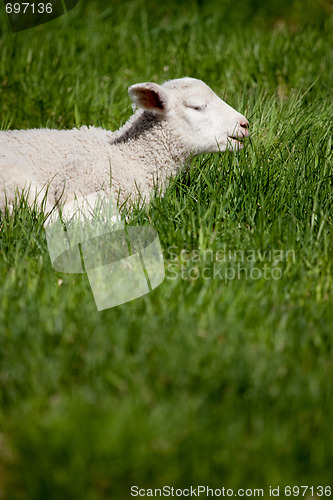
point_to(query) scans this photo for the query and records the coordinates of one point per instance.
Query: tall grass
(222, 375)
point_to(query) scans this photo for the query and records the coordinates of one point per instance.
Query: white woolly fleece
(178, 119)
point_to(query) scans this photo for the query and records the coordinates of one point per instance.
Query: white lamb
(177, 120)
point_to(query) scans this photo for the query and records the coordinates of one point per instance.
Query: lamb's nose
(244, 124)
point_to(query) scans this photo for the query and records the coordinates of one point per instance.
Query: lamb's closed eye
(197, 107)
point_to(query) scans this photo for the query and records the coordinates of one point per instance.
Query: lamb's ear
(151, 97)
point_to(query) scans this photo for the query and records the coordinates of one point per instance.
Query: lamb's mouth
(236, 140)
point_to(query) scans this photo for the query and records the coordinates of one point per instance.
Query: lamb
(174, 121)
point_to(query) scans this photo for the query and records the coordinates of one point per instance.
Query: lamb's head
(203, 122)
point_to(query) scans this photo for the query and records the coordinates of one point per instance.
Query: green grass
(206, 380)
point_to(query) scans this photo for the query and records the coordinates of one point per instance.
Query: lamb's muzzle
(245, 127)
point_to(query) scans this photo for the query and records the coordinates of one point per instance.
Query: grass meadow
(223, 375)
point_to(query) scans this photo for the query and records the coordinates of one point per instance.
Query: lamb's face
(204, 122)
(208, 123)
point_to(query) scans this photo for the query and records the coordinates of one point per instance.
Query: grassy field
(223, 375)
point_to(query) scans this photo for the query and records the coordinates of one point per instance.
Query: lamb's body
(151, 146)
